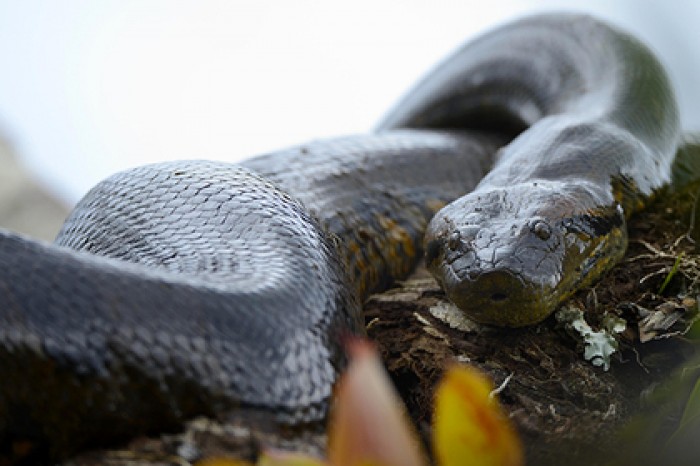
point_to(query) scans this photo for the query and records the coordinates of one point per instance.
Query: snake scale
(197, 287)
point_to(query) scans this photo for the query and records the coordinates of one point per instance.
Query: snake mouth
(500, 297)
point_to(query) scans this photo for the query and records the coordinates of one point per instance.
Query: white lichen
(600, 345)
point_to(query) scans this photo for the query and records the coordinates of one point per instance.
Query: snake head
(510, 256)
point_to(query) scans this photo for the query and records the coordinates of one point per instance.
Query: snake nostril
(499, 296)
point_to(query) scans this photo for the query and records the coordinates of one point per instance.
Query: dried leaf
(369, 424)
(469, 426)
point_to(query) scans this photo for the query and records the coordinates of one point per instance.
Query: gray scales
(192, 288)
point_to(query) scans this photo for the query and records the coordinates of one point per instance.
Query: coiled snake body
(191, 288)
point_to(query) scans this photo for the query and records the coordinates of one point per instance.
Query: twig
(500, 388)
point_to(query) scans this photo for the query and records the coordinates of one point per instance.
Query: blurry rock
(25, 206)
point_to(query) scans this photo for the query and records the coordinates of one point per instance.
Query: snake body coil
(204, 288)
(190, 288)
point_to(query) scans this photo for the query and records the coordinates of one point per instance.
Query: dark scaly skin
(190, 288)
(600, 132)
(377, 193)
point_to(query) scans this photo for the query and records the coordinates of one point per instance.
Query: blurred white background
(91, 87)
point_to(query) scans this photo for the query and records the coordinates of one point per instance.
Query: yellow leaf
(469, 427)
(281, 458)
(369, 425)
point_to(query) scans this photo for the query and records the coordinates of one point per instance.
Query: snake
(192, 288)
(597, 131)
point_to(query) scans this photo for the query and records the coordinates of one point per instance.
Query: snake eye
(541, 230)
(454, 241)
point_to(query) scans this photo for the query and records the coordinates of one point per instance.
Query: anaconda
(192, 288)
(549, 218)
